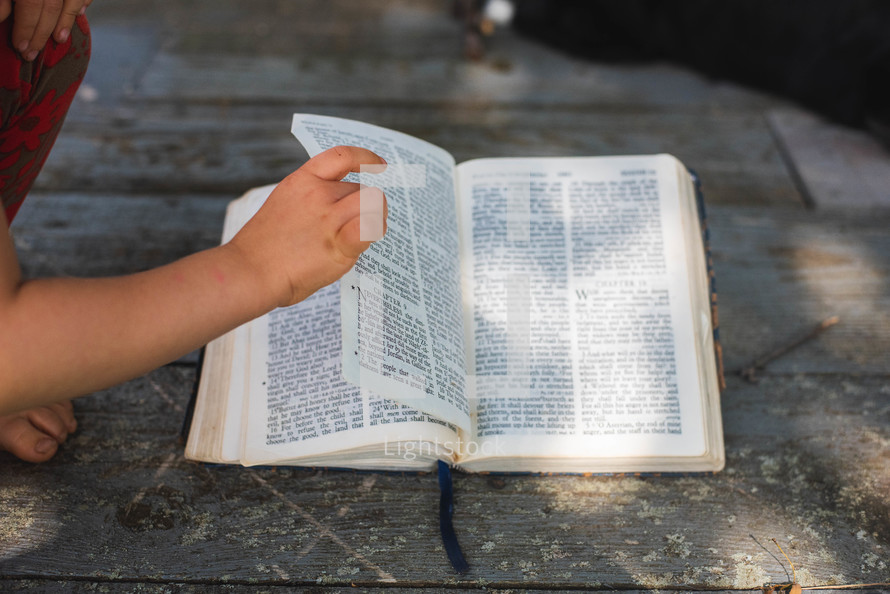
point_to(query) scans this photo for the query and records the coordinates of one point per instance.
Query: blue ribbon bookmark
(446, 511)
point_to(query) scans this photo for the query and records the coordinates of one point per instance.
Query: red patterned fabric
(34, 98)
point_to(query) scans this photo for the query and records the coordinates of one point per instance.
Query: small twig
(770, 553)
(793, 587)
(793, 572)
(749, 373)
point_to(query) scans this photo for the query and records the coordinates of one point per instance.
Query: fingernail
(83, 10)
(31, 55)
(63, 35)
(44, 446)
(22, 47)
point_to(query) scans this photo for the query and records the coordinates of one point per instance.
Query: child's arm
(66, 337)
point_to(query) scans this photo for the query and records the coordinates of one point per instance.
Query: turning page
(402, 320)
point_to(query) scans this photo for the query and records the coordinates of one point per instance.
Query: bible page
(578, 308)
(302, 411)
(402, 319)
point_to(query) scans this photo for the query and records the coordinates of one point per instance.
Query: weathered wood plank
(120, 503)
(378, 50)
(104, 235)
(525, 74)
(121, 51)
(200, 100)
(781, 272)
(52, 587)
(383, 51)
(387, 28)
(841, 168)
(227, 148)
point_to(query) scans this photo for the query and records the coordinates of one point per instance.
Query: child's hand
(309, 232)
(36, 20)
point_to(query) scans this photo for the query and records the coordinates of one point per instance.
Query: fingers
(36, 20)
(313, 214)
(334, 163)
(364, 201)
(5, 9)
(363, 220)
(70, 11)
(349, 237)
(373, 211)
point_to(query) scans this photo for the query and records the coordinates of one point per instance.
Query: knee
(57, 71)
(70, 59)
(80, 36)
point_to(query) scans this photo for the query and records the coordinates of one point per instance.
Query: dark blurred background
(827, 55)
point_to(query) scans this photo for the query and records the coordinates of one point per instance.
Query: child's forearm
(68, 337)
(62, 338)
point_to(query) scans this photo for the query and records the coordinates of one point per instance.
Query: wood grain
(120, 502)
(170, 148)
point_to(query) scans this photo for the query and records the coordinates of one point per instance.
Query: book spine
(712, 280)
(190, 407)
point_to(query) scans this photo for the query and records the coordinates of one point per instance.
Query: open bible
(519, 315)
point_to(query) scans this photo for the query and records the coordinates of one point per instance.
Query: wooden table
(185, 109)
